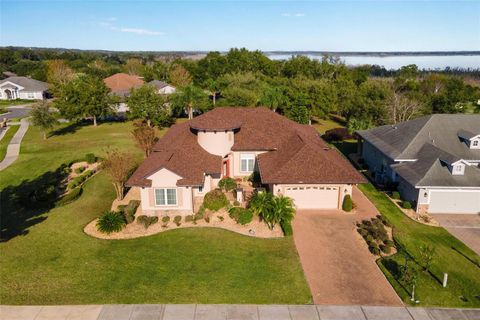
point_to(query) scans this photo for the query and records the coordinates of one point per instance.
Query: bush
(111, 221)
(221, 218)
(395, 195)
(79, 170)
(374, 250)
(363, 232)
(207, 219)
(406, 205)
(177, 220)
(241, 215)
(215, 200)
(165, 220)
(286, 228)
(236, 203)
(70, 197)
(389, 243)
(129, 210)
(200, 214)
(147, 221)
(255, 178)
(337, 134)
(369, 238)
(80, 179)
(227, 184)
(189, 218)
(347, 204)
(90, 158)
(385, 249)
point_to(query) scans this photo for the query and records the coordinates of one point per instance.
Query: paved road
(16, 112)
(13, 149)
(338, 266)
(465, 227)
(231, 312)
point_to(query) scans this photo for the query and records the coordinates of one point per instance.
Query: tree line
(300, 88)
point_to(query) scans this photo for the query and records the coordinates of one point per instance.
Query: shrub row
(129, 210)
(147, 221)
(70, 197)
(375, 235)
(80, 179)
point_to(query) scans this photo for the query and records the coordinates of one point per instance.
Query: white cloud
(141, 31)
(299, 15)
(108, 25)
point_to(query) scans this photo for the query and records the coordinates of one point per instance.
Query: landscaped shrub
(236, 203)
(165, 220)
(200, 214)
(374, 249)
(384, 248)
(241, 215)
(221, 218)
(90, 158)
(406, 205)
(363, 232)
(337, 134)
(369, 238)
(79, 170)
(70, 197)
(147, 221)
(395, 195)
(129, 210)
(215, 200)
(388, 243)
(286, 228)
(110, 221)
(255, 178)
(189, 218)
(347, 204)
(227, 184)
(177, 220)
(207, 219)
(80, 179)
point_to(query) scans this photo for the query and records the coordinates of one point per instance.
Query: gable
(164, 177)
(11, 84)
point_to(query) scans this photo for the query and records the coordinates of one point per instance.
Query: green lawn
(8, 103)
(6, 140)
(323, 125)
(47, 259)
(451, 256)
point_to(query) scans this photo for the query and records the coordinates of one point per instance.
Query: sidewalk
(13, 149)
(231, 312)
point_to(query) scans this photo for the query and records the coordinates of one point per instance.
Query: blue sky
(265, 25)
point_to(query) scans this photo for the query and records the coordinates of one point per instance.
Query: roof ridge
(416, 135)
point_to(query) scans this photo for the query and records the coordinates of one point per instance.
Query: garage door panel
(314, 197)
(454, 202)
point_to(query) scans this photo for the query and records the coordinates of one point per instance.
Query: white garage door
(454, 201)
(314, 197)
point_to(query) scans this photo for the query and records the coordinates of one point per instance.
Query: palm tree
(190, 97)
(282, 210)
(261, 203)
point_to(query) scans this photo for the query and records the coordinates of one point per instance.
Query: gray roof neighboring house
(159, 84)
(404, 140)
(28, 84)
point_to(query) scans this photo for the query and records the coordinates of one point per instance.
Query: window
(247, 162)
(457, 168)
(475, 143)
(30, 95)
(165, 197)
(200, 189)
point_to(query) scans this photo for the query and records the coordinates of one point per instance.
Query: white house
(13, 88)
(162, 87)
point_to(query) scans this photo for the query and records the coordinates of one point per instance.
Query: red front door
(226, 168)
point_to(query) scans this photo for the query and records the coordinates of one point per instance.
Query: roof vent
(326, 148)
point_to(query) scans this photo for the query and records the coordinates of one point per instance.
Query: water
(431, 62)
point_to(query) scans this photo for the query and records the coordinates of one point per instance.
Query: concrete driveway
(465, 227)
(337, 264)
(16, 112)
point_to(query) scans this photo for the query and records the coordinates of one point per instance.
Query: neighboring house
(291, 160)
(120, 84)
(162, 87)
(434, 160)
(13, 88)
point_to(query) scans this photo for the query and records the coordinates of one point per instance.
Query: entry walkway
(13, 149)
(231, 312)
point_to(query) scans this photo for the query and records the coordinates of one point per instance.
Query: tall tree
(273, 97)
(190, 98)
(134, 66)
(179, 76)
(144, 137)
(86, 96)
(58, 74)
(43, 118)
(146, 104)
(119, 167)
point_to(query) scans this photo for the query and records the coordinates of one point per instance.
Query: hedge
(70, 197)
(241, 215)
(147, 221)
(215, 200)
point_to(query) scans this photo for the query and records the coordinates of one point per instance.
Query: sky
(381, 25)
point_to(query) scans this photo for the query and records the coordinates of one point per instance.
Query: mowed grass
(6, 140)
(451, 256)
(51, 260)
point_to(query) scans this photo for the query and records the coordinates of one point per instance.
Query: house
(23, 88)
(291, 159)
(120, 84)
(162, 87)
(434, 160)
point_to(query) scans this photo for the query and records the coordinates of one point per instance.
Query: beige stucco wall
(236, 163)
(218, 143)
(165, 179)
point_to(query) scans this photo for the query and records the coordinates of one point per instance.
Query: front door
(226, 168)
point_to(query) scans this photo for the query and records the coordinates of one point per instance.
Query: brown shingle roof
(122, 82)
(179, 152)
(296, 152)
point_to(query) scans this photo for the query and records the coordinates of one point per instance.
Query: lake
(431, 62)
